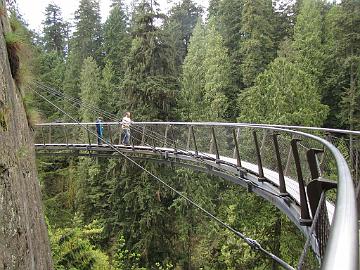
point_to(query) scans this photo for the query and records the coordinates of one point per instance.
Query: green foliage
(123, 258)
(20, 51)
(283, 94)
(206, 89)
(257, 46)
(180, 25)
(72, 249)
(87, 37)
(117, 40)
(308, 47)
(150, 85)
(55, 30)
(90, 86)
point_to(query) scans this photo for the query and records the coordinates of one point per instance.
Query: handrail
(334, 130)
(343, 244)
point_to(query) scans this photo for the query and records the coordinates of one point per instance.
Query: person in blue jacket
(99, 129)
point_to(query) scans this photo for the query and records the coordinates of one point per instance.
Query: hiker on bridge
(99, 130)
(125, 124)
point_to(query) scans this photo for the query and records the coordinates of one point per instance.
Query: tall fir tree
(150, 85)
(87, 38)
(180, 25)
(193, 77)
(308, 36)
(117, 40)
(54, 29)
(206, 82)
(283, 94)
(86, 41)
(228, 17)
(257, 45)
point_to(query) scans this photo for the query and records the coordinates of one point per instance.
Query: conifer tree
(193, 78)
(228, 17)
(87, 37)
(117, 40)
(217, 88)
(283, 94)
(307, 45)
(206, 82)
(150, 85)
(257, 45)
(55, 30)
(180, 24)
(90, 87)
(85, 42)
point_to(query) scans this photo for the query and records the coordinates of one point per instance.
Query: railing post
(65, 133)
(189, 138)
(143, 135)
(237, 150)
(211, 145)
(314, 188)
(280, 167)
(120, 133)
(110, 135)
(50, 129)
(258, 156)
(216, 145)
(88, 134)
(305, 216)
(166, 134)
(193, 136)
(313, 164)
(42, 135)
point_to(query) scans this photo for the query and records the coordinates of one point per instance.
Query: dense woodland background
(263, 61)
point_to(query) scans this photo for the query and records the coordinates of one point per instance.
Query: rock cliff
(23, 234)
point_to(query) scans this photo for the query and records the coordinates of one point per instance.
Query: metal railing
(302, 166)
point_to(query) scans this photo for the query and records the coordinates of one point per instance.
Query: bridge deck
(225, 163)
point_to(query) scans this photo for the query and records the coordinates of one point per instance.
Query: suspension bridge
(291, 167)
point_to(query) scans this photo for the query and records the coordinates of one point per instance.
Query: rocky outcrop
(23, 234)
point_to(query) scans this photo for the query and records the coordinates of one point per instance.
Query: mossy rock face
(3, 124)
(13, 46)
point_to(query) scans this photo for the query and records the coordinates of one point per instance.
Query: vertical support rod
(66, 136)
(120, 133)
(88, 134)
(42, 135)
(193, 136)
(305, 216)
(236, 138)
(211, 145)
(166, 134)
(237, 150)
(189, 138)
(50, 131)
(258, 156)
(215, 143)
(110, 135)
(263, 140)
(143, 135)
(279, 164)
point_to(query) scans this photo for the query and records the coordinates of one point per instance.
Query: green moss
(3, 124)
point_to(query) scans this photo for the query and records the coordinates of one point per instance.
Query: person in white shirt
(125, 124)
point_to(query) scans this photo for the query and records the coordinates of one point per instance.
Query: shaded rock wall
(23, 234)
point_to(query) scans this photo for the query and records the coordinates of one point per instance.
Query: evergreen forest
(254, 61)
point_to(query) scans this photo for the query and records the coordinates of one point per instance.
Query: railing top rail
(342, 249)
(332, 130)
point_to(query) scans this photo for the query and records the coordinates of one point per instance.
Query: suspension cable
(251, 242)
